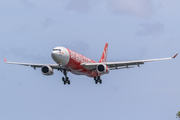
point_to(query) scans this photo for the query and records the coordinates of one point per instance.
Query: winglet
(5, 60)
(175, 56)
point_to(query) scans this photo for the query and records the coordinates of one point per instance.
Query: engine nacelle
(47, 70)
(103, 69)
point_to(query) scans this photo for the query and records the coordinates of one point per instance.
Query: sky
(134, 29)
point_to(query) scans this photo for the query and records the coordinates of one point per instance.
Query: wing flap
(121, 64)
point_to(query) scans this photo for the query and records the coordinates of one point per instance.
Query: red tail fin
(104, 55)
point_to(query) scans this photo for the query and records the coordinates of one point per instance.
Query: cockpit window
(56, 49)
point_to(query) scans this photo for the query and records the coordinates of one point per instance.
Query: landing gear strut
(65, 79)
(97, 79)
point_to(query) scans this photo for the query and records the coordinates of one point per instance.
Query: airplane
(70, 61)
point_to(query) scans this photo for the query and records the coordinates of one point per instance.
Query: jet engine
(47, 70)
(103, 69)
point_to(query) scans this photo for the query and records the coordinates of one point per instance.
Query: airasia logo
(79, 58)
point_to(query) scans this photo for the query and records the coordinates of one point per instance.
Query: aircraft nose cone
(54, 55)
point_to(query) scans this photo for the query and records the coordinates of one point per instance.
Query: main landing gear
(97, 79)
(65, 79)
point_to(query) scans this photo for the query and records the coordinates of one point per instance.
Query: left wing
(54, 66)
(121, 65)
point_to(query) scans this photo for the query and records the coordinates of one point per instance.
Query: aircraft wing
(122, 64)
(54, 66)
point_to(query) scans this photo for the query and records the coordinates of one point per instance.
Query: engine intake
(47, 70)
(103, 69)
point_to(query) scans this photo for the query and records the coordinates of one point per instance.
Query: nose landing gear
(65, 79)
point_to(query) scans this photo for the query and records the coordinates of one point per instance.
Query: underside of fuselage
(83, 71)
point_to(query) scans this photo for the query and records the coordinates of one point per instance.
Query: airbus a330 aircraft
(68, 60)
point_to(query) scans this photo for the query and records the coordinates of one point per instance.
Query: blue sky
(135, 30)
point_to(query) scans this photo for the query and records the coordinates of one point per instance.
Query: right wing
(54, 66)
(121, 65)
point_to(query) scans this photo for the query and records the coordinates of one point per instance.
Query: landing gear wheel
(96, 82)
(64, 82)
(69, 82)
(100, 81)
(62, 78)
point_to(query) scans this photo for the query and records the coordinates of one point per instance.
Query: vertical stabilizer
(104, 55)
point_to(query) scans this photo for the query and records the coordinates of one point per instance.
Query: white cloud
(155, 28)
(27, 4)
(48, 22)
(78, 5)
(141, 8)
